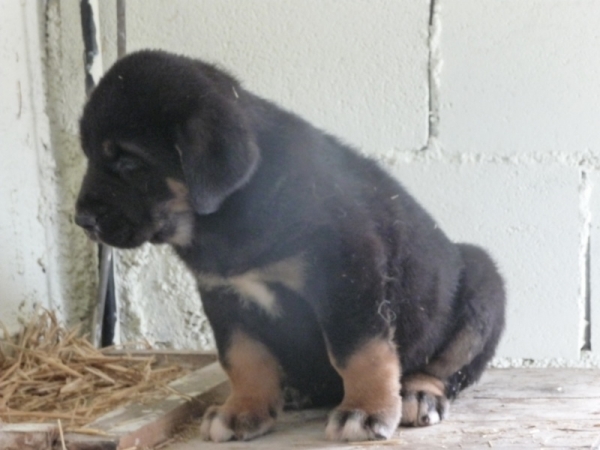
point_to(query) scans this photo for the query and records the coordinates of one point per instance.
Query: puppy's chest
(257, 286)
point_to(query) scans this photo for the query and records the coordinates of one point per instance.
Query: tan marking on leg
(410, 409)
(463, 347)
(424, 400)
(426, 383)
(255, 399)
(254, 372)
(371, 408)
(371, 377)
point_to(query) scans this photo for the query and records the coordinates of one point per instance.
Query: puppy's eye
(127, 163)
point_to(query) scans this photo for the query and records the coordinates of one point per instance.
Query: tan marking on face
(371, 377)
(253, 286)
(180, 212)
(254, 374)
(421, 382)
(180, 201)
(184, 231)
(108, 148)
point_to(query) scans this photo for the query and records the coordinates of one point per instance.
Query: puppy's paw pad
(357, 425)
(420, 409)
(221, 424)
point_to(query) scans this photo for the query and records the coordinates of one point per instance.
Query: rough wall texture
(27, 253)
(65, 88)
(487, 111)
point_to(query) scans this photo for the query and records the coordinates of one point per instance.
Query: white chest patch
(253, 286)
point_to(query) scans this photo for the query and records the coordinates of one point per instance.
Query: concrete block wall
(529, 221)
(519, 90)
(486, 110)
(515, 134)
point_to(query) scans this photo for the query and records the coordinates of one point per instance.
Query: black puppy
(316, 269)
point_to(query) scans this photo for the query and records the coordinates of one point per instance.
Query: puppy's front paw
(358, 425)
(240, 422)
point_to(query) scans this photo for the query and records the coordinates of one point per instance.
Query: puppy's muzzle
(89, 222)
(86, 220)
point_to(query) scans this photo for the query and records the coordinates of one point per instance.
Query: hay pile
(48, 373)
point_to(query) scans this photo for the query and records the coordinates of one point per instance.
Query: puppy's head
(166, 139)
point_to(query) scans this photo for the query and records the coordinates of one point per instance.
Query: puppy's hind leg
(480, 321)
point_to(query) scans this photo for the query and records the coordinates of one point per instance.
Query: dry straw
(49, 373)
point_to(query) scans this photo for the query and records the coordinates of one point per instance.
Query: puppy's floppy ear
(218, 155)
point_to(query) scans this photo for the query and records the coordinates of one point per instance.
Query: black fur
(264, 185)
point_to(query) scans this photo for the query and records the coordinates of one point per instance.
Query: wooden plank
(537, 383)
(503, 409)
(27, 436)
(151, 424)
(305, 430)
(512, 408)
(509, 408)
(137, 424)
(79, 442)
(515, 434)
(187, 359)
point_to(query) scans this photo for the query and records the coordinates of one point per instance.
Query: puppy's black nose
(86, 220)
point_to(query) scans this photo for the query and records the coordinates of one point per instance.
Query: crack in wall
(588, 301)
(433, 75)
(584, 300)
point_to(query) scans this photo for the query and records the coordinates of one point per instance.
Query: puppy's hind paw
(357, 425)
(221, 424)
(420, 409)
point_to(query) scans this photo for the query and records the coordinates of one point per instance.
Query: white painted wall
(44, 260)
(510, 159)
(519, 144)
(27, 255)
(62, 56)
